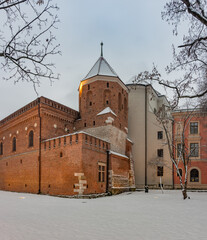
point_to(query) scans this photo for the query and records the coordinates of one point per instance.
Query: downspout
(107, 171)
(173, 179)
(40, 140)
(146, 187)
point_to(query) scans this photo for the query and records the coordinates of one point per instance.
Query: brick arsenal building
(46, 147)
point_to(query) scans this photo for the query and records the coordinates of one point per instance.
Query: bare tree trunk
(184, 190)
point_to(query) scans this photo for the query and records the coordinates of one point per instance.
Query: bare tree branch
(25, 52)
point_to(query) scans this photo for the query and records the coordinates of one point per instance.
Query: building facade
(153, 167)
(46, 147)
(190, 126)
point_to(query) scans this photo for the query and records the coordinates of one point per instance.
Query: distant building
(153, 166)
(195, 135)
(46, 147)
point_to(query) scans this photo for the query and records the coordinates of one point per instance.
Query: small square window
(160, 135)
(160, 152)
(159, 171)
(181, 172)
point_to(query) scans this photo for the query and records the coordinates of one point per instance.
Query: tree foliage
(190, 58)
(27, 41)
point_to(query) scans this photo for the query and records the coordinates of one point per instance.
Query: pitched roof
(101, 67)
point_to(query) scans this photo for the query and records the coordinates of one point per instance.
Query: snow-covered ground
(129, 216)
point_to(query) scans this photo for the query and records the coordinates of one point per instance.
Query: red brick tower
(103, 105)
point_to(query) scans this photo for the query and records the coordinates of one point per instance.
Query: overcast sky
(134, 37)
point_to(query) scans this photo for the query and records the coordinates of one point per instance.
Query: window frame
(194, 129)
(160, 153)
(160, 135)
(101, 172)
(192, 154)
(160, 171)
(14, 144)
(31, 139)
(194, 179)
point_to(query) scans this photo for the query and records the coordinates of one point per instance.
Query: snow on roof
(129, 140)
(118, 154)
(101, 67)
(106, 110)
(70, 134)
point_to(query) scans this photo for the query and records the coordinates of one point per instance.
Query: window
(160, 135)
(94, 123)
(14, 147)
(178, 149)
(194, 152)
(1, 148)
(194, 128)
(181, 172)
(88, 86)
(107, 85)
(194, 175)
(31, 139)
(160, 152)
(125, 105)
(119, 101)
(101, 173)
(159, 171)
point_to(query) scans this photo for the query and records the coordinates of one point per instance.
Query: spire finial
(101, 49)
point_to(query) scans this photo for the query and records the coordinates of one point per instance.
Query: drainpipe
(40, 140)
(107, 171)
(146, 187)
(173, 180)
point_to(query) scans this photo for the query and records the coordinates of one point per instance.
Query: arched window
(119, 102)
(31, 139)
(14, 143)
(194, 175)
(1, 148)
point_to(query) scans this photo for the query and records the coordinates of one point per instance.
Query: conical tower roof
(101, 67)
